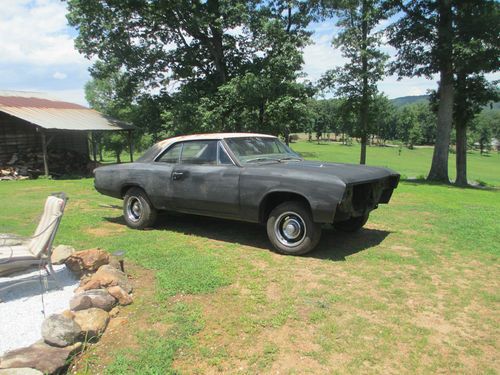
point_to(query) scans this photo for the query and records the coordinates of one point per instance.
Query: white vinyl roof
(48, 113)
(193, 137)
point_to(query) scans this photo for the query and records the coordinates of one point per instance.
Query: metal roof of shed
(48, 113)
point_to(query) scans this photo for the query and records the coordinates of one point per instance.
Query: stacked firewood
(60, 162)
(11, 173)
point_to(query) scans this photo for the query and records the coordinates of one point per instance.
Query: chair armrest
(12, 240)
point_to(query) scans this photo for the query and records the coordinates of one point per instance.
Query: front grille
(362, 196)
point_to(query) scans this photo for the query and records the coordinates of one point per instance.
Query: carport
(34, 122)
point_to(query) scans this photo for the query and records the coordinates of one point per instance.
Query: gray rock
(20, 371)
(61, 253)
(99, 298)
(59, 330)
(114, 312)
(80, 302)
(107, 276)
(93, 321)
(122, 296)
(87, 261)
(114, 262)
(40, 356)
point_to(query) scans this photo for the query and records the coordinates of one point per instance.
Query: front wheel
(291, 230)
(352, 225)
(138, 211)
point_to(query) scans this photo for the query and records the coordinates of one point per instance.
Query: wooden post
(131, 146)
(44, 151)
(94, 146)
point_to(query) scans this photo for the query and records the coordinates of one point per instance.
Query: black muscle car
(248, 177)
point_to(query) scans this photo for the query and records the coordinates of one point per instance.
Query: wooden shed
(34, 122)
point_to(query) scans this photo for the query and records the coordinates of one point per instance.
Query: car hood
(348, 173)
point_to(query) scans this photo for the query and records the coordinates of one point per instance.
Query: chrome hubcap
(290, 229)
(134, 209)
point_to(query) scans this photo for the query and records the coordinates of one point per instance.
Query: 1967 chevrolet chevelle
(248, 177)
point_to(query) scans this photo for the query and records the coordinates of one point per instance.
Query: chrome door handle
(177, 175)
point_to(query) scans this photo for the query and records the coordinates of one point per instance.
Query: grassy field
(415, 291)
(411, 163)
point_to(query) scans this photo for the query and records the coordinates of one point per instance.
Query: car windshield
(260, 149)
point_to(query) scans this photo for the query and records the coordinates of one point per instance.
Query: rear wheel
(291, 230)
(138, 211)
(353, 224)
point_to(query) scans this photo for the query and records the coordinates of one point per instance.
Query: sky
(37, 54)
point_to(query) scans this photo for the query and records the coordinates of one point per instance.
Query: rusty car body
(247, 177)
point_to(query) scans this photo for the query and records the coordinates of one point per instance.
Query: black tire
(352, 225)
(138, 211)
(291, 230)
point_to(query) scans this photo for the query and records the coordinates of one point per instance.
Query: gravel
(22, 310)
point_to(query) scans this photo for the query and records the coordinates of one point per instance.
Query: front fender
(322, 194)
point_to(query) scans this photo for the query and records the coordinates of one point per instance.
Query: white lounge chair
(18, 253)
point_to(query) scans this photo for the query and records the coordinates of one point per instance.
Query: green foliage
(327, 116)
(359, 42)
(484, 128)
(459, 40)
(356, 81)
(113, 94)
(215, 65)
(415, 125)
(116, 143)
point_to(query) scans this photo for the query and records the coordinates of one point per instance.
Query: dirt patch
(273, 292)
(105, 230)
(404, 251)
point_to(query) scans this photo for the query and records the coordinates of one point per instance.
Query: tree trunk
(461, 162)
(461, 121)
(215, 44)
(94, 146)
(364, 72)
(262, 111)
(439, 167)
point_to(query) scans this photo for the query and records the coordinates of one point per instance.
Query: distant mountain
(407, 100)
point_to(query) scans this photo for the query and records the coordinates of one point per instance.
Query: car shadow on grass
(334, 245)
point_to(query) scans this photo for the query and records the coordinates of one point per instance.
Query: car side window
(172, 155)
(224, 158)
(199, 152)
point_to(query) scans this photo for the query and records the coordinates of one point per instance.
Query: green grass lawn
(415, 291)
(410, 163)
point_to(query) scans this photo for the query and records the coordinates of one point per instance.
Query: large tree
(423, 37)
(476, 52)
(115, 95)
(188, 53)
(454, 39)
(359, 41)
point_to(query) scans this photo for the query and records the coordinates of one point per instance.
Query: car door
(160, 178)
(206, 181)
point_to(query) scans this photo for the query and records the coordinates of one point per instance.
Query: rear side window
(199, 152)
(172, 155)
